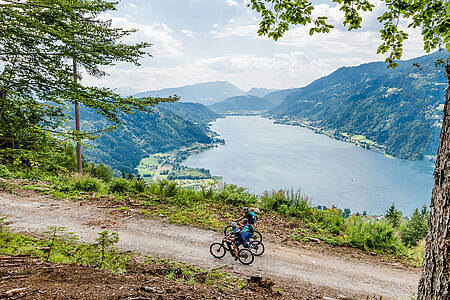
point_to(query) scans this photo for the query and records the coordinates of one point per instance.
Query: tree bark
(435, 280)
(77, 123)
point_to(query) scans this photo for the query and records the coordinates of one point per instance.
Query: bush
(119, 185)
(86, 183)
(236, 196)
(372, 235)
(329, 220)
(137, 186)
(100, 171)
(416, 228)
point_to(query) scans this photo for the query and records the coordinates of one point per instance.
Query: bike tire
(257, 237)
(217, 250)
(246, 256)
(257, 248)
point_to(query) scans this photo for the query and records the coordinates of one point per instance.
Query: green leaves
(432, 16)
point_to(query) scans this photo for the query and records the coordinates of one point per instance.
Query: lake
(260, 155)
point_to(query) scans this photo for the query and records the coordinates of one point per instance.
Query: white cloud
(159, 34)
(188, 33)
(232, 3)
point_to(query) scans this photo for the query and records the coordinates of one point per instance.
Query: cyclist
(250, 215)
(236, 237)
(247, 230)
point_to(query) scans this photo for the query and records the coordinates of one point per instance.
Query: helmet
(234, 224)
(245, 209)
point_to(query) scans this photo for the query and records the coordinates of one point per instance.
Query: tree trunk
(435, 280)
(77, 123)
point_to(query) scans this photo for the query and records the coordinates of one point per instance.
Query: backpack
(254, 218)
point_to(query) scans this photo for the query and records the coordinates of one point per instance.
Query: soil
(320, 271)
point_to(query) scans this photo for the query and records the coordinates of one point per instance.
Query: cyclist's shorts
(239, 238)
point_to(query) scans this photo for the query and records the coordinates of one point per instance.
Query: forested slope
(400, 108)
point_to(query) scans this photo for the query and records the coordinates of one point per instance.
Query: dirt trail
(34, 213)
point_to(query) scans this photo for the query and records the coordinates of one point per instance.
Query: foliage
(99, 171)
(416, 228)
(393, 216)
(375, 106)
(119, 185)
(372, 235)
(60, 246)
(430, 15)
(86, 183)
(106, 241)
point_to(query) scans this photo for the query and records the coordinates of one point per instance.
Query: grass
(191, 274)
(212, 209)
(59, 246)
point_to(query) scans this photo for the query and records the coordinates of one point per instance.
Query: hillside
(197, 113)
(399, 109)
(277, 97)
(241, 104)
(205, 93)
(140, 135)
(259, 92)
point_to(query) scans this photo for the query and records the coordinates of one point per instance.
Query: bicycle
(257, 236)
(218, 250)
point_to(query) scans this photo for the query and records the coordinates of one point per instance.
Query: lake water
(260, 156)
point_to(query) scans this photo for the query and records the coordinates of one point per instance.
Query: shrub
(329, 220)
(372, 235)
(137, 186)
(119, 186)
(236, 196)
(100, 171)
(416, 228)
(274, 200)
(86, 183)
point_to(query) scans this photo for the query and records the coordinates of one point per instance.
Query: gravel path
(33, 213)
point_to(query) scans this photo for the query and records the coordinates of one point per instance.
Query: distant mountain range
(259, 92)
(399, 108)
(204, 93)
(241, 104)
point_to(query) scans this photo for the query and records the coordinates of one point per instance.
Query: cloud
(159, 34)
(188, 33)
(232, 3)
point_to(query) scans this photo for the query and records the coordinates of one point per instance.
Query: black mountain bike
(218, 250)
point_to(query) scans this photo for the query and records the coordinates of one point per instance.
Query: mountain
(259, 92)
(204, 93)
(140, 135)
(195, 112)
(277, 97)
(240, 104)
(399, 108)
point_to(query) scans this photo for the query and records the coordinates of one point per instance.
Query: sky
(216, 40)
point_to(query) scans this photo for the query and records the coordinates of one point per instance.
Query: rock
(256, 278)
(314, 239)
(148, 289)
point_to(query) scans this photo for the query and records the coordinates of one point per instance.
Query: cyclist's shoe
(235, 258)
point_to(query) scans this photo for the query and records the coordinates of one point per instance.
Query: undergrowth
(214, 208)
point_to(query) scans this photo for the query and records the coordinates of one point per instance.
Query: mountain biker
(247, 230)
(236, 237)
(250, 215)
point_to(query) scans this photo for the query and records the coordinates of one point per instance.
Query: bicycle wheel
(217, 250)
(245, 256)
(227, 230)
(257, 237)
(257, 248)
